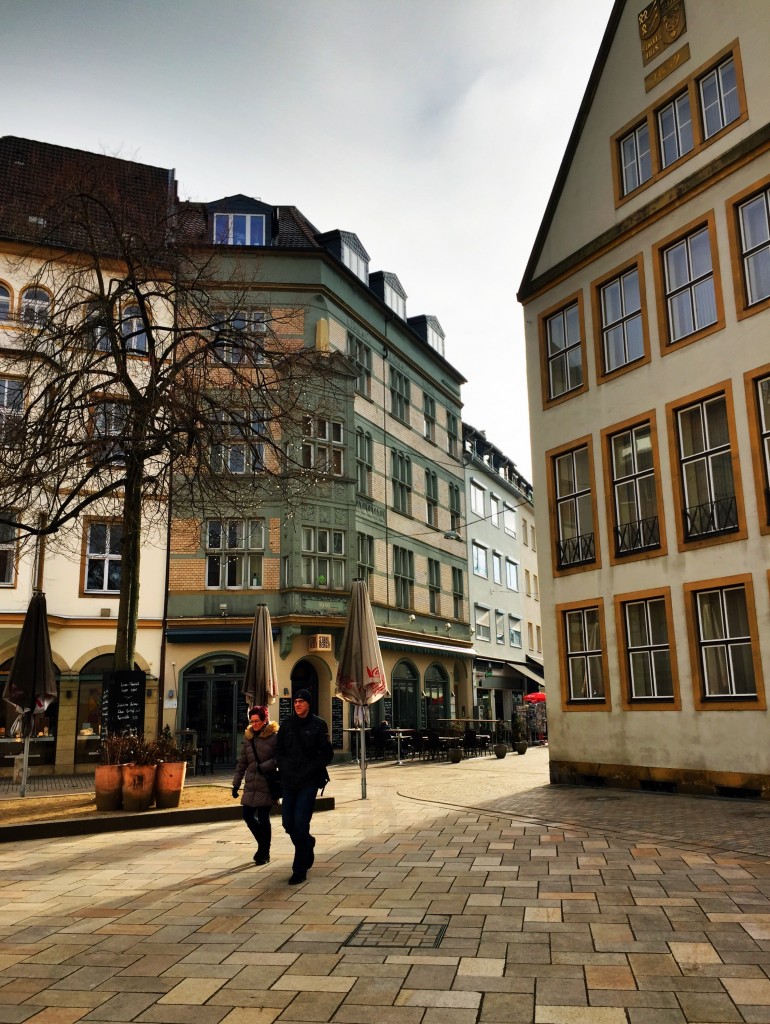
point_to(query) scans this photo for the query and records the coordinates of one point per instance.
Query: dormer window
(239, 229)
(396, 302)
(435, 340)
(353, 261)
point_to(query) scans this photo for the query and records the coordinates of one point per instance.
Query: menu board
(387, 709)
(123, 702)
(284, 709)
(337, 722)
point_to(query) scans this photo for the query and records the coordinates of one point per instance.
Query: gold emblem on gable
(661, 22)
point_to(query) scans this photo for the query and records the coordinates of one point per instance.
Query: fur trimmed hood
(270, 729)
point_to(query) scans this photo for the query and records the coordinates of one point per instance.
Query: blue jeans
(296, 811)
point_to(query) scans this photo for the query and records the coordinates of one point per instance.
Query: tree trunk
(128, 608)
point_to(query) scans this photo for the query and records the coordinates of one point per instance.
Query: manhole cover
(391, 933)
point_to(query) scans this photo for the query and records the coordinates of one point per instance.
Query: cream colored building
(646, 301)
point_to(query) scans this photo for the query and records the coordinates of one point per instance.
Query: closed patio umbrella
(31, 684)
(260, 677)
(361, 672)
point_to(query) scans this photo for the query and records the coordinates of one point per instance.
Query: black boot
(262, 857)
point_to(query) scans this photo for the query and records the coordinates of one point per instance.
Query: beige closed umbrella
(360, 671)
(260, 677)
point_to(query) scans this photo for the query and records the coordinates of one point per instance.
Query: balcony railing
(711, 518)
(637, 536)
(576, 550)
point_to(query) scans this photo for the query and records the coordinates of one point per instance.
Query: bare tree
(148, 374)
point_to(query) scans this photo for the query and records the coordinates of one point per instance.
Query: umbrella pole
(362, 745)
(24, 767)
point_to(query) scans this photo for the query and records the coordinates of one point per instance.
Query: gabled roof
(525, 287)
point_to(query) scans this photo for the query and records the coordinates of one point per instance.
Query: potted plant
(519, 734)
(139, 775)
(171, 771)
(108, 775)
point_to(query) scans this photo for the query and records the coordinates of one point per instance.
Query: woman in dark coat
(258, 748)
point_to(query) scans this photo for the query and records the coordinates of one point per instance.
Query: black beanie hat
(302, 695)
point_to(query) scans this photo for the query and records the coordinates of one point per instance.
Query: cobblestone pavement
(455, 894)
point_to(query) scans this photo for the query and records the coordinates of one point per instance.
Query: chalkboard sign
(387, 709)
(284, 709)
(123, 702)
(337, 721)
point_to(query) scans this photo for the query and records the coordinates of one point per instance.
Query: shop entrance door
(215, 708)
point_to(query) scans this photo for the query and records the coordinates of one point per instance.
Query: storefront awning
(425, 647)
(523, 670)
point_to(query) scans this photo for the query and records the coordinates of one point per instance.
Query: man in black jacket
(302, 750)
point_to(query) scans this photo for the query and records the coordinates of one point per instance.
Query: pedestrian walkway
(456, 894)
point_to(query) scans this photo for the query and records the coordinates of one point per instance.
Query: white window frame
(499, 626)
(676, 134)
(509, 519)
(755, 248)
(725, 92)
(482, 622)
(512, 574)
(323, 446)
(648, 652)
(225, 225)
(564, 351)
(723, 643)
(478, 494)
(514, 631)
(622, 324)
(685, 293)
(234, 553)
(107, 559)
(635, 158)
(8, 546)
(480, 559)
(585, 660)
(497, 568)
(323, 558)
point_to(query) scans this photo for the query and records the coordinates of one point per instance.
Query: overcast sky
(431, 128)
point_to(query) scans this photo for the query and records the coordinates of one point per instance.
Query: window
(5, 303)
(434, 585)
(452, 434)
(241, 448)
(394, 299)
(497, 568)
(761, 441)
(564, 351)
(35, 306)
(234, 549)
(365, 566)
(361, 355)
(500, 626)
(401, 473)
(494, 510)
(104, 542)
(234, 340)
(621, 320)
(647, 649)
(477, 499)
(634, 491)
(7, 553)
(458, 591)
(575, 544)
(480, 566)
(530, 637)
(429, 417)
(719, 98)
(399, 395)
(688, 282)
(355, 261)
(708, 487)
(509, 519)
(483, 628)
(754, 220)
(11, 407)
(539, 639)
(535, 587)
(323, 446)
(583, 643)
(724, 638)
(403, 576)
(532, 536)
(635, 159)
(675, 129)
(431, 498)
(511, 574)
(454, 507)
(132, 330)
(527, 583)
(514, 631)
(363, 462)
(524, 532)
(323, 558)
(239, 229)
(109, 421)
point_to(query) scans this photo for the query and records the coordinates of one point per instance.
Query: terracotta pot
(108, 782)
(138, 786)
(169, 782)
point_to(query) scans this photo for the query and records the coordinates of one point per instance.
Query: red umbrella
(534, 698)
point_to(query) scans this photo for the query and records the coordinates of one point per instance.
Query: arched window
(132, 329)
(5, 303)
(406, 696)
(35, 305)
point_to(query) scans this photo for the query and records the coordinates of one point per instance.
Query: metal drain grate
(393, 933)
